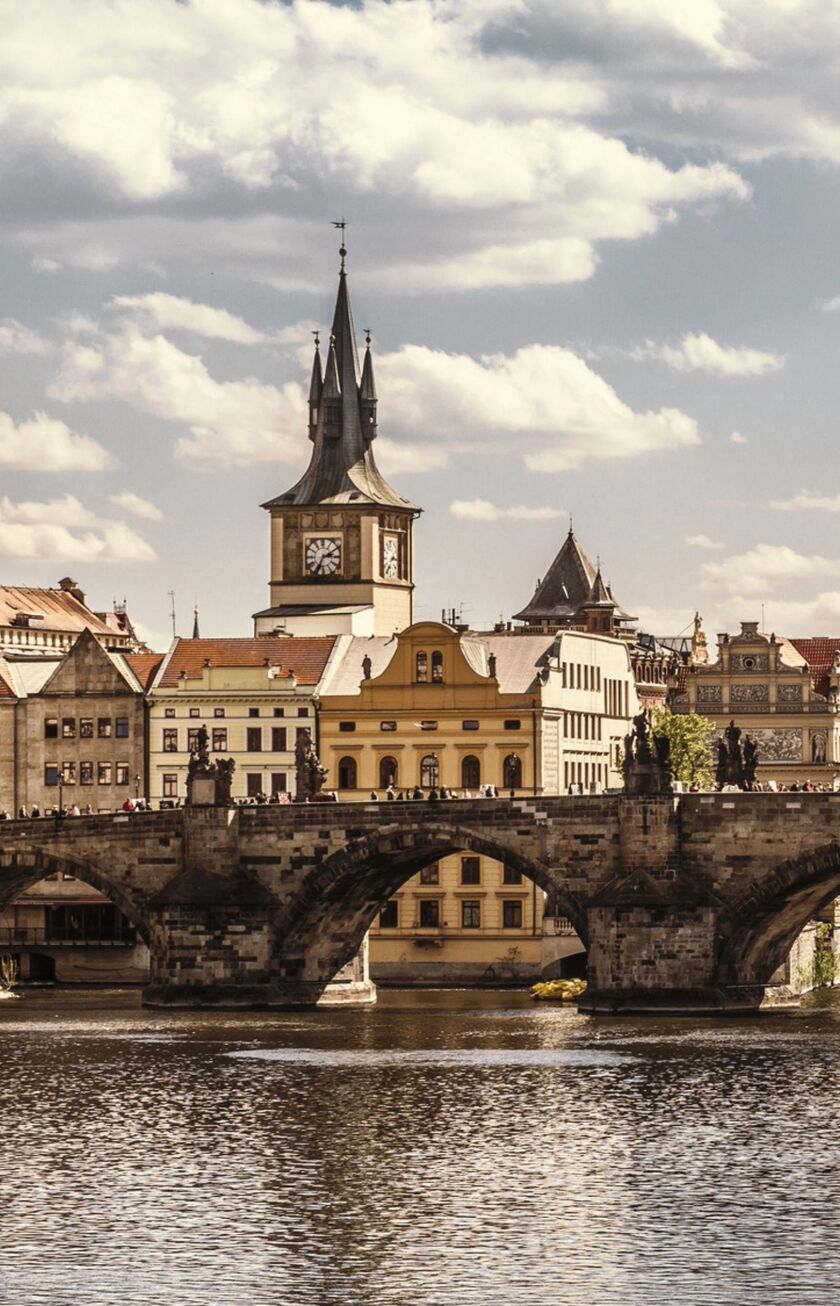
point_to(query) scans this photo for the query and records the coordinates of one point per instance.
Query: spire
(599, 594)
(316, 385)
(367, 393)
(195, 633)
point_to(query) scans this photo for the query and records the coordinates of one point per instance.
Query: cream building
(252, 695)
(436, 708)
(767, 687)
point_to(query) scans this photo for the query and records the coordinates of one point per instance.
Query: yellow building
(251, 695)
(445, 710)
(767, 687)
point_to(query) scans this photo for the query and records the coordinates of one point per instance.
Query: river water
(454, 1147)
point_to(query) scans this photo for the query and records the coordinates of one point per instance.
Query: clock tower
(341, 538)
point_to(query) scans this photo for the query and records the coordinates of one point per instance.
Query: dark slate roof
(342, 468)
(567, 586)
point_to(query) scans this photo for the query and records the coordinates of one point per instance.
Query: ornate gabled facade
(341, 537)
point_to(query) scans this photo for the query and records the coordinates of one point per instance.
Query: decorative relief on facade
(777, 746)
(819, 744)
(788, 693)
(709, 693)
(749, 693)
(749, 662)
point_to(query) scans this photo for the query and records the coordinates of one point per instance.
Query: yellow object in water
(558, 990)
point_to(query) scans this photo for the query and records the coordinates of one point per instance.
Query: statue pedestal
(648, 779)
(202, 791)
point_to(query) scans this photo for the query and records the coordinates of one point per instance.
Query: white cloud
(831, 305)
(483, 510)
(44, 444)
(138, 507)
(63, 530)
(809, 500)
(737, 438)
(703, 542)
(168, 312)
(762, 567)
(698, 352)
(15, 338)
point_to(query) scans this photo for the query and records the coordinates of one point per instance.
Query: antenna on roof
(171, 594)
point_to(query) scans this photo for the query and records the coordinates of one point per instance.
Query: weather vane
(343, 252)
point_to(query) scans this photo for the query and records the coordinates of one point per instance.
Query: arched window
(429, 771)
(421, 674)
(512, 771)
(437, 668)
(470, 773)
(387, 772)
(347, 773)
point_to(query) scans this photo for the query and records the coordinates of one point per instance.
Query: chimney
(71, 587)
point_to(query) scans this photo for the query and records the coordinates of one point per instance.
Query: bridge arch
(340, 896)
(22, 867)
(759, 929)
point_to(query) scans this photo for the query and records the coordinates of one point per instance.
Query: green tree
(690, 737)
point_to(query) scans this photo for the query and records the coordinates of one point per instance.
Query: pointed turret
(567, 588)
(599, 609)
(367, 394)
(316, 385)
(342, 423)
(195, 633)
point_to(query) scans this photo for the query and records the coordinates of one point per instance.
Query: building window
(253, 784)
(253, 739)
(219, 739)
(218, 712)
(104, 727)
(389, 915)
(430, 874)
(511, 914)
(51, 773)
(387, 772)
(437, 668)
(510, 875)
(513, 725)
(471, 870)
(430, 913)
(302, 732)
(170, 786)
(86, 773)
(347, 727)
(68, 727)
(170, 740)
(512, 771)
(51, 727)
(68, 773)
(253, 711)
(347, 773)
(387, 725)
(279, 711)
(86, 727)
(122, 727)
(429, 771)
(195, 711)
(469, 725)
(470, 772)
(278, 782)
(192, 738)
(104, 773)
(428, 725)
(421, 674)
(168, 712)
(122, 773)
(278, 739)
(303, 711)
(470, 915)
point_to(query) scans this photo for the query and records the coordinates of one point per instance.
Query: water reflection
(438, 1148)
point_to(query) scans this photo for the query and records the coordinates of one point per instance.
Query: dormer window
(421, 665)
(437, 668)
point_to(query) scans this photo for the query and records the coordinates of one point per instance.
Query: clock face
(323, 556)
(390, 557)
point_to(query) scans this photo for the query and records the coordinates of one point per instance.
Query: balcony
(31, 936)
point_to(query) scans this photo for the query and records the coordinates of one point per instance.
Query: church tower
(342, 556)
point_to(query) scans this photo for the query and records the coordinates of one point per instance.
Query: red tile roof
(144, 666)
(819, 654)
(305, 657)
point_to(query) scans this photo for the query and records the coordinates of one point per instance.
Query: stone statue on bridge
(646, 770)
(309, 774)
(208, 783)
(737, 762)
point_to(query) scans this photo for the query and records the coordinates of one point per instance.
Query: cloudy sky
(595, 242)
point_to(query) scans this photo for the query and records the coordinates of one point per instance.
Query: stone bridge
(685, 904)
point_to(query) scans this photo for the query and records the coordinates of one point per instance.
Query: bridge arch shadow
(20, 868)
(341, 896)
(758, 930)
